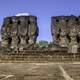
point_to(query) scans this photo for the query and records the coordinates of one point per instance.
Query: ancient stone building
(19, 32)
(19, 35)
(66, 31)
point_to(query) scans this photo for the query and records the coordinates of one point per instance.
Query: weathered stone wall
(66, 31)
(39, 56)
(19, 34)
(19, 31)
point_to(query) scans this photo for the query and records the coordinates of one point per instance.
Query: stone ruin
(19, 35)
(19, 32)
(65, 32)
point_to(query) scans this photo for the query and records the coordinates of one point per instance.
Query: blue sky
(43, 9)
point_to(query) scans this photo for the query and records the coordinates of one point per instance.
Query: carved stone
(5, 32)
(19, 32)
(14, 33)
(65, 31)
(32, 30)
(23, 31)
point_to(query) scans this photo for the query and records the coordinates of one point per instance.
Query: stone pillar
(23, 31)
(63, 39)
(73, 45)
(55, 29)
(14, 33)
(5, 31)
(18, 32)
(32, 30)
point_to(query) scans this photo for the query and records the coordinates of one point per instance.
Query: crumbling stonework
(66, 31)
(19, 32)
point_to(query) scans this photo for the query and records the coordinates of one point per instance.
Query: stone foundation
(39, 56)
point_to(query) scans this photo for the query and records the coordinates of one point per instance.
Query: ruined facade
(19, 35)
(19, 32)
(65, 32)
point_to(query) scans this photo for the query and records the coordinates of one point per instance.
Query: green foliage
(42, 43)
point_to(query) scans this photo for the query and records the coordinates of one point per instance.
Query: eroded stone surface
(65, 31)
(18, 32)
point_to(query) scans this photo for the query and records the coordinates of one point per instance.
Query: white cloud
(22, 14)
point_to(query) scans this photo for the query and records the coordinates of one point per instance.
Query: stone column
(73, 45)
(32, 30)
(23, 31)
(5, 31)
(63, 39)
(55, 30)
(14, 33)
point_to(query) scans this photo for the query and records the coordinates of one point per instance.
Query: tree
(42, 43)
